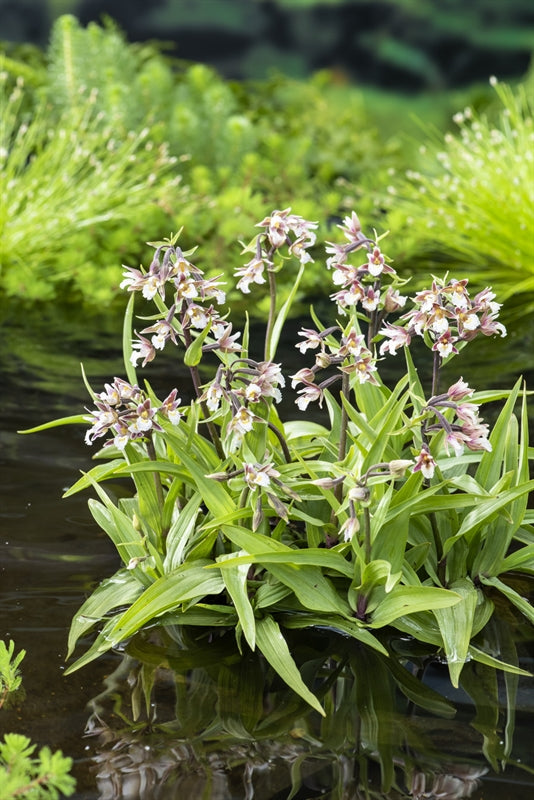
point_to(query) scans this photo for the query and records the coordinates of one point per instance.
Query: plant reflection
(189, 716)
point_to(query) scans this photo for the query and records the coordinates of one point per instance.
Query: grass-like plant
(43, 776)
(401, 511)
(470, 201)
(69, 179)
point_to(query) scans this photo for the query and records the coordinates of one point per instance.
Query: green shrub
(470, 202)
(113, 142)
(22, 774)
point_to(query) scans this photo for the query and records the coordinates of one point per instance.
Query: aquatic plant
(470, 201)
(22, 772)
(398, 509)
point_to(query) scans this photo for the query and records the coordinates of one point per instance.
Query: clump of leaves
(23, 772)
(402, 511)
(470, 203)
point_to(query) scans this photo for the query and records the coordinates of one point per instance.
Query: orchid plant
(398, 508)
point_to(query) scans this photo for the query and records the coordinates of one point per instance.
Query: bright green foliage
(470, 203)
(113, 142)
(396, 512)
(23, 772)
(75, 179)
(10, 678)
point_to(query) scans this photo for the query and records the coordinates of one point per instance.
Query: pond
(217, 726)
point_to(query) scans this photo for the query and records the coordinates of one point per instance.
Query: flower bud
(459, 390)
(398, 467)
(323, 360)
(327, 483)
(359, 493)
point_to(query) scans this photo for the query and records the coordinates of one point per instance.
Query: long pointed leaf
(456, 625)
(274, 647)
(166, 594)
(514, 597)
(180, 533)
(403, 600)
(121, 589)
(235, 580)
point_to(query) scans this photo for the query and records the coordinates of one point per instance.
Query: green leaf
(350, 627)
(418, 692)
(180, 532)
(312, 556)
(490, 661)
(490, 467)
(456, 625)
(193, 354)
(145, 483)
(384, 423)
(307, 582)
(120, 529)
(485, 510)
(522, 559)
(272, 344)
(127, 334)
(99, 473)
(214, 495)
(101, 645)
(167, 593)
(235, 579)
(119, 590)
(403, 600)
(75, 419)
(274, 647)
(311, 587)
(514, 597)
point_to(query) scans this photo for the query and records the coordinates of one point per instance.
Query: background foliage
(109, 144)
(391, 43)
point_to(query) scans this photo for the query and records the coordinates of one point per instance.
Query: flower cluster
(350, 355)
(362, 284)
(466, 430)
(282, 229)
(445, 315)
(243, 383)
(126, 412)
(191, 294)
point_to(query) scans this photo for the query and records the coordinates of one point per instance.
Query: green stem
(272, 314)
(195, 378)
(441, 563)
(153, 457)
(367, 533)
(242, 503)
(342, 445)
(42, 780)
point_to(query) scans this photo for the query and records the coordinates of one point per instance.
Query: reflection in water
(191, 718)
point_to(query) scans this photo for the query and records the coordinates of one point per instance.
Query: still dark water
(52, 555)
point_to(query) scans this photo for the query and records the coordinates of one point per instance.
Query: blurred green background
(406, 44)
